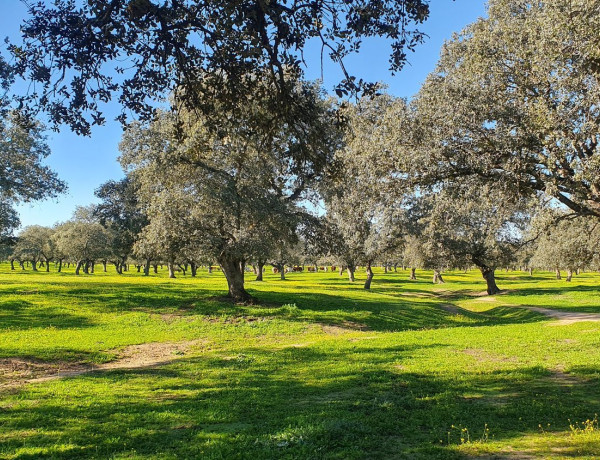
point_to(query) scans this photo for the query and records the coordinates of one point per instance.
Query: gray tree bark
(413, 275)
(369, 276)
(235, 279)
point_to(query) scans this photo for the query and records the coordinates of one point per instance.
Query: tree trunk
(22, 265)
(341, 270)
(138, 268)
(490, 279)
(569, 275)
(210, 269)
(259, 271)
(385, 268)
(118, 268)
(350, 271)
(395, 268)
(530, 271)
(12, 264)
(59, 265)
(86, 267)
(558, 277)
(147, 267)
(171, 269)
(47, 265)
(413, 275)
(155, 267)
(437, 277)
(78, 267)
(33, 265)
(193, 268)
(578, 271)
(92, 264)
(235, 280)
(369, 276)
(281, 268)
(104, 266)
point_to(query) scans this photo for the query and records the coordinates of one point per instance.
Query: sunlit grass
(318, 368)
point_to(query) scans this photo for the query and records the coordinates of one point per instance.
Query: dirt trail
(564, 317)
(16, 372)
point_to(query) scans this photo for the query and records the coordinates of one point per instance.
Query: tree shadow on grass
(388, 312)
(296, 402)
(22, 314)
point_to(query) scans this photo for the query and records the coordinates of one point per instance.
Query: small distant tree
(82, 243)
(120, 212)
(569, 244)
(35, 244)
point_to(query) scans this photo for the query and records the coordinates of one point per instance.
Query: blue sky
(86, 162)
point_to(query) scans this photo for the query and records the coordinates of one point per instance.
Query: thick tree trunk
(34, 265)
(92, 265)
(147, 267)
(557, 271)
(138, 268)
(193, 268)
(259, 271)
(369, 276)
(78, 267)
(569, 275)
(118, 268)
(350, 271)
(171, 269)
(281, 268)
(413, 275)
(59, 265)
(490, 279)
(235, 280)
(437, 277)
(155, 268)
(47, 265)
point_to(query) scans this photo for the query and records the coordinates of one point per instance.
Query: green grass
(318, 369)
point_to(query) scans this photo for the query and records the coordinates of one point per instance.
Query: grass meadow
(317, 369)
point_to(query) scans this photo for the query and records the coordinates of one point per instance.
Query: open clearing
(132, 367)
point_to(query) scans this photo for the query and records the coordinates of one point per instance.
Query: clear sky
(86, 162)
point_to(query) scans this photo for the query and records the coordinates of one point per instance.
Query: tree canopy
(139, 51)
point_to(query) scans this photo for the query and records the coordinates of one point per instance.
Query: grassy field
(318, 369)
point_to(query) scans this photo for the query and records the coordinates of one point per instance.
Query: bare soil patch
(20, 371)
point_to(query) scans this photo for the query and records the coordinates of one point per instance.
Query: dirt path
(19, 371)
(564, 317)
